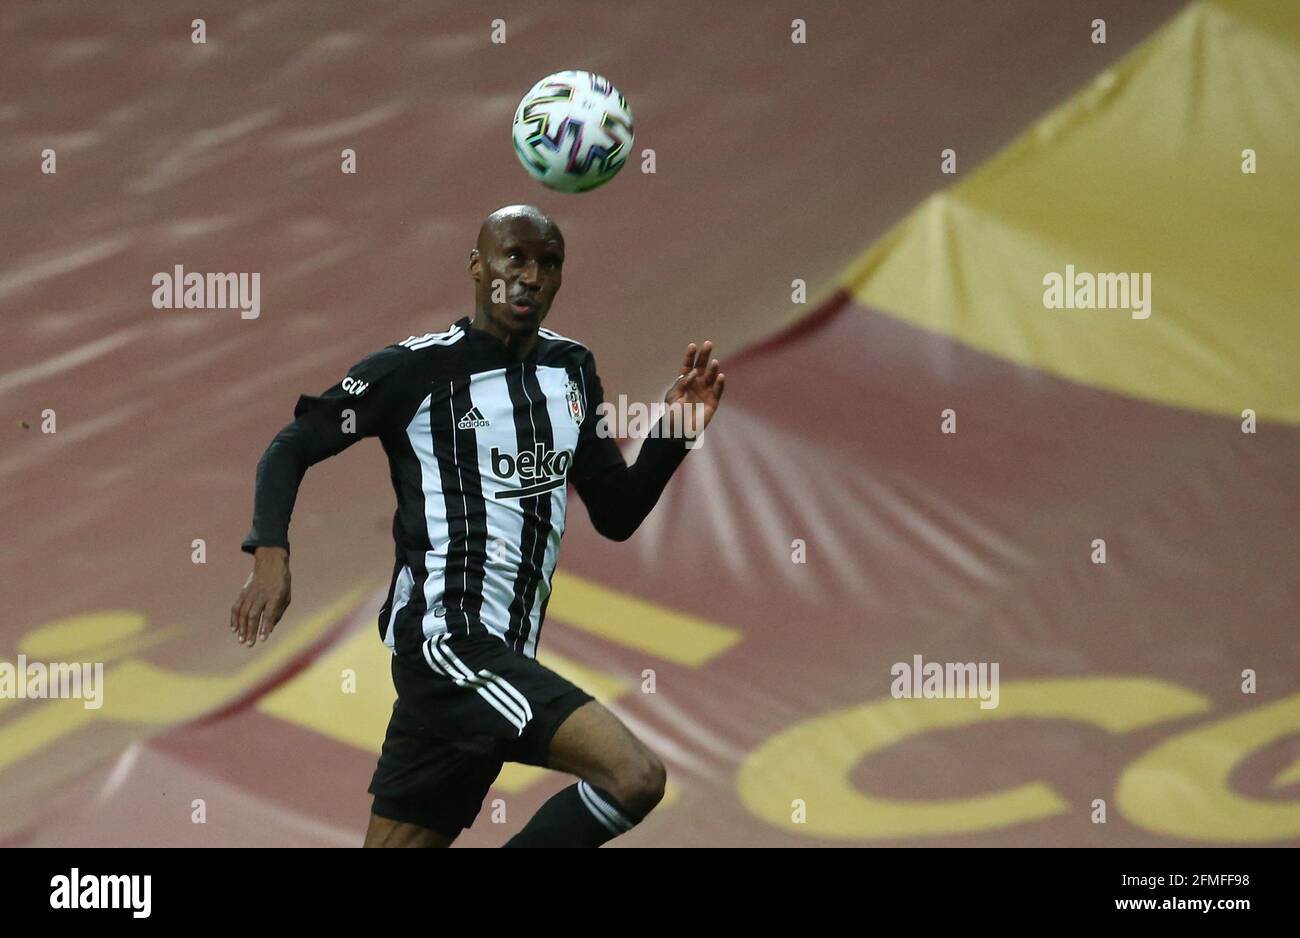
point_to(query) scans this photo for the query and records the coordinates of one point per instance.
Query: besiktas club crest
(573, 394)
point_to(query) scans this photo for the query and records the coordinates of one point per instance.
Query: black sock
(580, 816)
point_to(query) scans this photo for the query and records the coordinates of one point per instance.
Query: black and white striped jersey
(480, 448)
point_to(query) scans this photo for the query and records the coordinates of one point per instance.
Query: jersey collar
(491, 340)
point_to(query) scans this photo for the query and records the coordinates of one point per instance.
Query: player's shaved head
(515, 217)
(517, 266)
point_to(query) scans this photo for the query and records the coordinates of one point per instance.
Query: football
(573, 131)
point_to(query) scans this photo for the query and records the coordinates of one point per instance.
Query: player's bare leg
(594, 745)
(622, 781)
(385, 833)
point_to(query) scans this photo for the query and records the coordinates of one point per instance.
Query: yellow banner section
(1142, 237)
(635, 623)
(799, 780)
(137, 691)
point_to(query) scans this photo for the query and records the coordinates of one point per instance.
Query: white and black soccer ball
(573, 131)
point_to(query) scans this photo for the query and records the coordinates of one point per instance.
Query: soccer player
(484, 425)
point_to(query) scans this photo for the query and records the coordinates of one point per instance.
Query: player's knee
(656, 781)
(641, 784)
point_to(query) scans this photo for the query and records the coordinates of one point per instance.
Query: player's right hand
(264, 597)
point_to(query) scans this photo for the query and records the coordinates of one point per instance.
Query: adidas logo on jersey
(540, 470)
(474, 420)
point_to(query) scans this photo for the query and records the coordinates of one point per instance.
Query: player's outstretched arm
(619, 497)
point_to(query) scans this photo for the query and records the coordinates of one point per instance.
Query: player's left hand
(697, 391)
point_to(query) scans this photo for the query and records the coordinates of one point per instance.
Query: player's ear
(475, 265)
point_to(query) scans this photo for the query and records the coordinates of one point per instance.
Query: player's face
(518, 271)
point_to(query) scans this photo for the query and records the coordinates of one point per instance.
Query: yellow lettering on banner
(91, 636)
(33, 731)
(85, 637)
(136, 691)
(312, 699)
(1288, 776)
(812, 760)
(1181, 787)
(635, 623)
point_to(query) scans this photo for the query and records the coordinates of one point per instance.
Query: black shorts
(465, 706)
